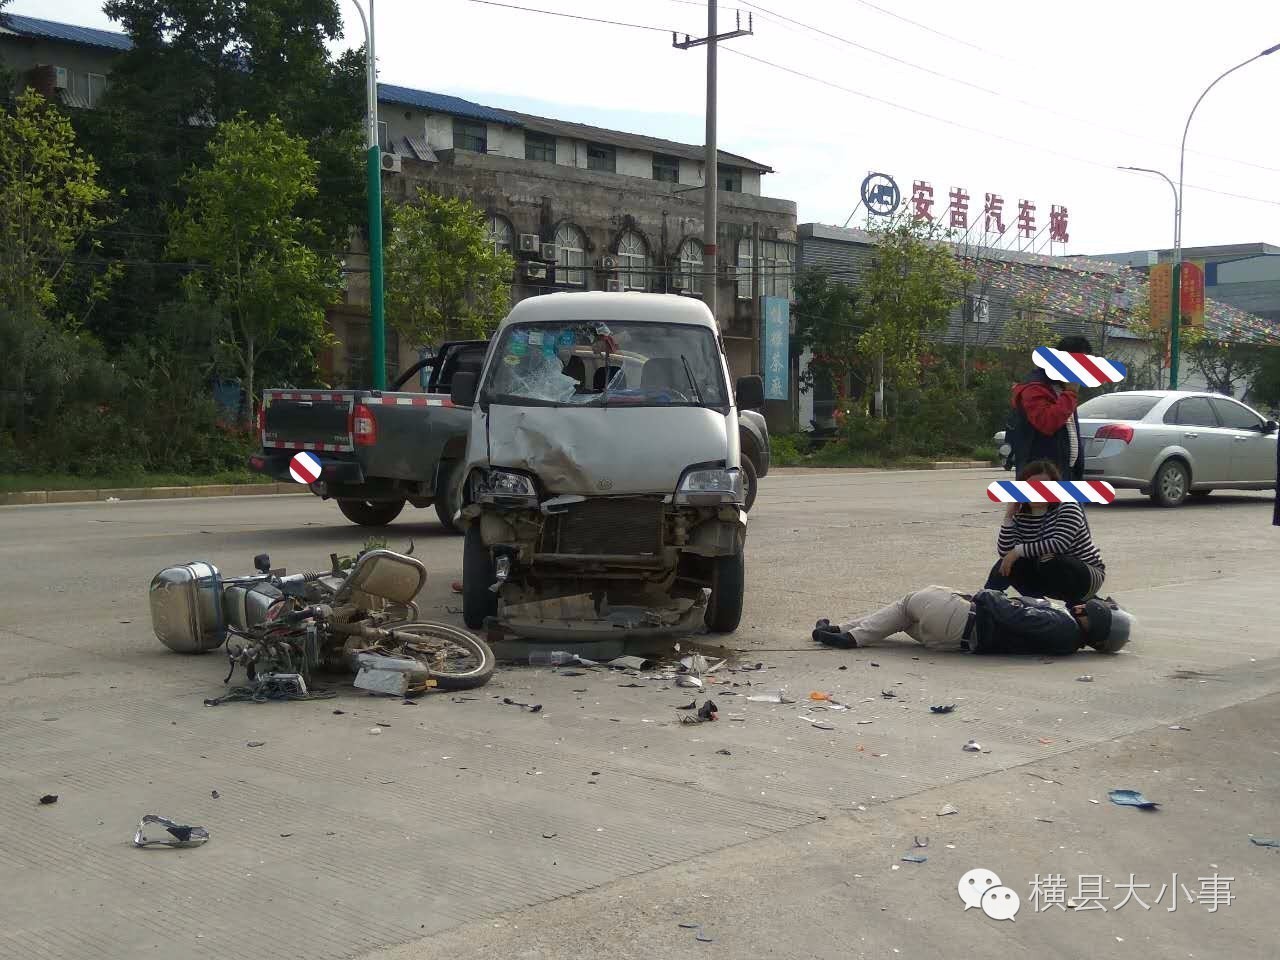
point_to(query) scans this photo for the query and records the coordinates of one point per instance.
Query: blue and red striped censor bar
(1078, 367)
(1051, 491)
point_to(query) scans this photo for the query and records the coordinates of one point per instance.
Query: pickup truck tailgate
(307, 420)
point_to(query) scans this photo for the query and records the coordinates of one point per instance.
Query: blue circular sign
(880, 194)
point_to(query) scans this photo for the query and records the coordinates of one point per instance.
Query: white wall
(634, 163)
(751, 182)
(566, 152)
(505, 141)
(439, 131)
(690, 172)
(1248, 271)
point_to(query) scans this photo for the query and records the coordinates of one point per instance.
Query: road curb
(960, 464)
(31, 497)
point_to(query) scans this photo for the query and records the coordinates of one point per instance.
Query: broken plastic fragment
(973, 746)
(947, 810)
(773, 696)
(49, 798)
(175, 834)
(1085, 679)
(686, 680)
(1264, 842)
(708, 711)
(943, 708)
(819, 724)
(888, 695)
(1132, 798)
(915, 858)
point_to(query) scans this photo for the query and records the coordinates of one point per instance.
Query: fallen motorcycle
(283, 628)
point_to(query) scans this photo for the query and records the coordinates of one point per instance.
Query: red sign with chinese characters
(1191, 294)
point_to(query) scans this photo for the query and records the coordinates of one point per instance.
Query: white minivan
(604, 493)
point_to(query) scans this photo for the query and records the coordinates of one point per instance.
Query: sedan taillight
(1115, 431)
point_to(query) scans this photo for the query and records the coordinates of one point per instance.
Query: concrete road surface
(466, 827)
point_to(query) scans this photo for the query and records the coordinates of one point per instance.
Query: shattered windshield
(594, 363)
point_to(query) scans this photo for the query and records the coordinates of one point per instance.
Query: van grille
(606, 527)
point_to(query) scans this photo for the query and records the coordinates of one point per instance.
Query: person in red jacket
(1044, 421)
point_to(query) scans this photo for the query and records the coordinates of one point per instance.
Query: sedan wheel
(1171, 484)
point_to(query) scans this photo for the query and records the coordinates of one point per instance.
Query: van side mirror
(1270, 427)
(463, 389)
(750, 393)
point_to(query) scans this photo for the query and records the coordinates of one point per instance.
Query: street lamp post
(377, 325)
(1175, 299)
(1177, 236)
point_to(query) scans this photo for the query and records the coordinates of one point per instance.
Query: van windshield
(614, 363)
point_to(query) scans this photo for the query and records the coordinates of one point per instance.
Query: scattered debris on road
(1042, 778)
(947, 810)
(531, 707)
(256, 743)
(48, 798)
(1264, 842)
(1132, 798)
(724, 752)
(772, 696)
(178, 834)
(1178, 726)
(973, 746)
(943, 708)
(1087, 678)
(915, 858)
(215, 794)
(888, 695)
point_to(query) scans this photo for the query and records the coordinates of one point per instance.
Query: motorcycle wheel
(455, 659)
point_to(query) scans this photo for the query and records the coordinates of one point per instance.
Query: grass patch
(797, 450)
(21, 482)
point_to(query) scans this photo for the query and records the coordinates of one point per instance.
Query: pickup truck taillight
(1115, 431)
(362, 427)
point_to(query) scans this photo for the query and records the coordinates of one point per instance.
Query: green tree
(50, 209)
(908, 293)
(241, 230)
(827, 325)
(1147, 368)
(1226, 367)
(1265, 389)
(443, 275)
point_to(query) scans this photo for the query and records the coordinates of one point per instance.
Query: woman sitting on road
(1046, 549)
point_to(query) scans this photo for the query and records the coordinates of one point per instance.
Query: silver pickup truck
(378, 450)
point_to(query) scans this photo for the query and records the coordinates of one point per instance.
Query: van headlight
(504, 488)
(710, 487)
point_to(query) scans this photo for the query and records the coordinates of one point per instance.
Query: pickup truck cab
(604, 494)
(378, 450)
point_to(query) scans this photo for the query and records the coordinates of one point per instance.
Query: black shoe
(832, 636)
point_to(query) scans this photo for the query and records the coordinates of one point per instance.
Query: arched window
(500, 234)
(633, 261)
(571, 255)
(691, 270)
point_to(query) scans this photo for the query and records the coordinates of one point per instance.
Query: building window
(691, 270)
(633, 261)
(730, 179)
(360, 356)
(539, 146)
(600, 157)
(499, 230)
(384, 137)
(571, 255)
(469, 135)
(777, 268)
(666, 169)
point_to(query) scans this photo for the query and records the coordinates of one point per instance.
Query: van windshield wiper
(697, 394)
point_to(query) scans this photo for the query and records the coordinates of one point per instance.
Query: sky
(1030, 101)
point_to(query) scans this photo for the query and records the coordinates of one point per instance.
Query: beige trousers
(934, 616)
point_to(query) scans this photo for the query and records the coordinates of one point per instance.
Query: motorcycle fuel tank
(186, 607)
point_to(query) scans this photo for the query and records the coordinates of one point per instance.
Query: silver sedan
(1174, 443)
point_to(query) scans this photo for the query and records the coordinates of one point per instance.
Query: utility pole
(710, 165)
(373, 172)
(757, 315)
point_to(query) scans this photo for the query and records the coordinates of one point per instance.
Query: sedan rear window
(1118, 406)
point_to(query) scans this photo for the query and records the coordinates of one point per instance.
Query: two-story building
(579, 207)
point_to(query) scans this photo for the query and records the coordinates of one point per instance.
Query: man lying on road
(987, 622)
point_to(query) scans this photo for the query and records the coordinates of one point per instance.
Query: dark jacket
(1039, 426)
(1021, 625)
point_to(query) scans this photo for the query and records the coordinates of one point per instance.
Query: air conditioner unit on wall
(608, 263)
(613, 286)
(535, 271)
(530, 243)
(548, 251)
(677, 281)
(390, 163)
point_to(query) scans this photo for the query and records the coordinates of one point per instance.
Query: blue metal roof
(441, 103)
(66, 32)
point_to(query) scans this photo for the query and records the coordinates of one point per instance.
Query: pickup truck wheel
(448, 504)
(750, 483)
(371, 513)
(728, 584)
(478, 575)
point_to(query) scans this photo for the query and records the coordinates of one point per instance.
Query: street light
(1176, 287)
(377, 326)
(1177, 230)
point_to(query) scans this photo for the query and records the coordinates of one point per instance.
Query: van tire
(371, 513)
(478, 575)
(728, 587)
(750, 483)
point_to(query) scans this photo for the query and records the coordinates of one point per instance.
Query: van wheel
(751, 483)
(371, 513)
(448, 498)
(1171, 484)
(478, 575)
(728, 585)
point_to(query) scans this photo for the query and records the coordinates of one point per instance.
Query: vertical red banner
(1192, 294)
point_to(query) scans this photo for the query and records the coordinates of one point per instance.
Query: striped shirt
(1061, 531)
(1073, 439)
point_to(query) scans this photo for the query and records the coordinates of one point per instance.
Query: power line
(965, 126)
(988, 90)
(929, 29)
(574, 16)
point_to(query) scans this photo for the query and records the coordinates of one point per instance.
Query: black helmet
(1108, 628)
